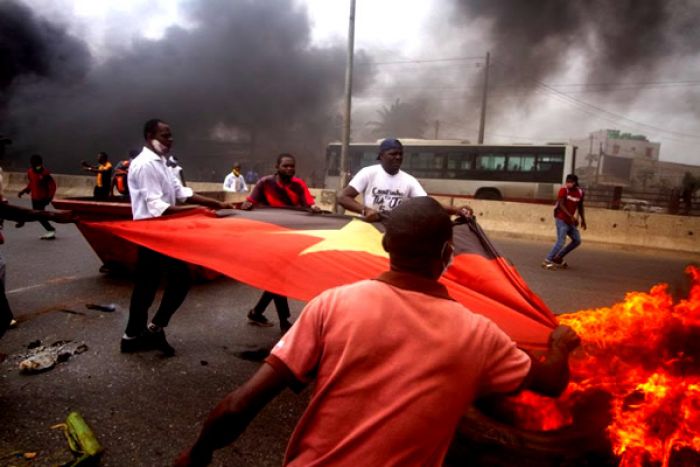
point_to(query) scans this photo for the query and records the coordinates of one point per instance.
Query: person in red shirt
(280, 190)
(569, 201)
(20, 215)
(42, 188)
(387, 395)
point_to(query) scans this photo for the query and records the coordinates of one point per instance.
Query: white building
(609, 157)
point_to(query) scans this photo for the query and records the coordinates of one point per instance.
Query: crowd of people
(373, 402)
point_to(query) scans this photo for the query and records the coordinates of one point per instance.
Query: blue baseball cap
(389, 143)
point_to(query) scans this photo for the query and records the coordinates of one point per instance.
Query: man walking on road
(280, 190)
(20, 215)
(569, 201)
(156, 191)
(387, 395)
(42, 188)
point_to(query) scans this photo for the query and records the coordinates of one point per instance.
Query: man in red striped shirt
(280, 190)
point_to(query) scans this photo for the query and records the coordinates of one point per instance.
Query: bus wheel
(488, 193)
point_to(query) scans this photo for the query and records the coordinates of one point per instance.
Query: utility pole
(343, 167)
(600, 156)
(482, 120)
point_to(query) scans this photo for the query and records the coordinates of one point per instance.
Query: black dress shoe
(159, 342)
(139, 343)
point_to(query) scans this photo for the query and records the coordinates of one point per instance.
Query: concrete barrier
(631, 229)
(634, 229)
(82, 185)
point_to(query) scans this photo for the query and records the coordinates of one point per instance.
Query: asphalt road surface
(143, 408)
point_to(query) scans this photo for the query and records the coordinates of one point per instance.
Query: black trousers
(40, 205)
(281, 304)
(151, 267)
(5, 311)
(101, 192)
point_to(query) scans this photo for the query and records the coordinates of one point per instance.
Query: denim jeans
(564, 229)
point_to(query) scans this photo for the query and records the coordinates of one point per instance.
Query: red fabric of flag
(299, 254)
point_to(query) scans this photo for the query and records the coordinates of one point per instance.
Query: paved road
(143, 408)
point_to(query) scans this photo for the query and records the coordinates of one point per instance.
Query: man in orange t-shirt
(387, 395)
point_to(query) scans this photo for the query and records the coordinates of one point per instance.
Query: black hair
(102, 153)
(35, 159)
(418, 227)
(151, 126)
(283, 155)
(572, 178)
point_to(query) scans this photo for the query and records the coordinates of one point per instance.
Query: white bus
(452, 168)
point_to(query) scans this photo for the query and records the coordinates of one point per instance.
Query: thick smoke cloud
(31, 47)
(245, 65)
(617, 39)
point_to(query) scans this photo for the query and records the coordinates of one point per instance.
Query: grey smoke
(246, 65)
(619, 39)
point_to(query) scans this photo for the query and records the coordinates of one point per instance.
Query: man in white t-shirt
(234, 181)
(383, 186)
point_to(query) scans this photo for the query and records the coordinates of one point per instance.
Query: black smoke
(618, 40)
(244, 65)
(32, 48)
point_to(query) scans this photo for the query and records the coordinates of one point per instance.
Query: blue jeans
(564, 229)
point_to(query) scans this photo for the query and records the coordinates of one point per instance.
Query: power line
(436, 60)
(574, 101)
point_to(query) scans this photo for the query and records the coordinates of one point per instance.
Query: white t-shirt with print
(382, 191)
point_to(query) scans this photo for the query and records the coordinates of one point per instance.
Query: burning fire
(645, 354)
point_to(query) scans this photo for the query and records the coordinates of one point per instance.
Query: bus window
(424, 164)
(546, 162)
(459, 165)
(459, 161)
(490, 162)
(521, 163)
(549, 168)
(361, 159)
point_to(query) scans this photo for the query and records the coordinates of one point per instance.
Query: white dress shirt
(235, 184)
(152, 186)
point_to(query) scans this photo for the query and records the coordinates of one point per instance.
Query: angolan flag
(299, 254)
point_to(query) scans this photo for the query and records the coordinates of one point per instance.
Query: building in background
(613, 158)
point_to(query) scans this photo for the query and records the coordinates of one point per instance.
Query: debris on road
(109, 308)
(43, 358)
(81, 440)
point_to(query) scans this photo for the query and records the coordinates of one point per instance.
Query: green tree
(400, 120)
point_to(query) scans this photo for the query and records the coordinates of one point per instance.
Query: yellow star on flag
(356, 235)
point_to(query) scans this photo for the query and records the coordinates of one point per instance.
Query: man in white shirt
(235, 182)
(383, 186)
(156, 191)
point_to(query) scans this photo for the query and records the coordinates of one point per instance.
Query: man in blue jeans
(569, 201)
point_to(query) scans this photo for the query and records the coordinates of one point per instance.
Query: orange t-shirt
(395, 369)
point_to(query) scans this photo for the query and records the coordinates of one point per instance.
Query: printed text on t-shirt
(386, 200)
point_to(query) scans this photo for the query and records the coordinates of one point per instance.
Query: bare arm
(583, 217)
(232, 415)
(209, 202)
(346, 199)
(463, 211)
(551, 375)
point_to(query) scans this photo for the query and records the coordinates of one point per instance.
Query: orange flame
(644, 352)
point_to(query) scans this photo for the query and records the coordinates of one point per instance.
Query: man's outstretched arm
(232, 415)
(550, 376)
